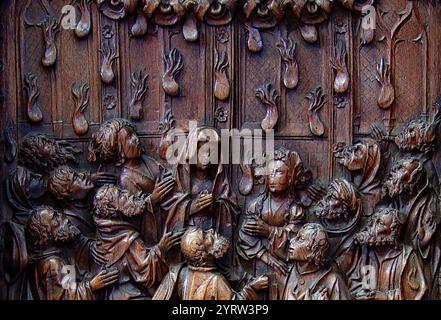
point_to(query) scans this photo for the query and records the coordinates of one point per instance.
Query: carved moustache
(323, 211)
(368, 237)
(66, 232)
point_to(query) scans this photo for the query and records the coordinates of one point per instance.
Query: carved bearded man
(48, 232)
(412, 194)
(26, 186)
(116, 144)
(199, 278)
(310, 278)
(141, 266)
(387, 270)
(340, 212)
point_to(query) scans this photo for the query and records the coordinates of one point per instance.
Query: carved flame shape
(269, 97)
(287, 49)
(109, 57)
(221, 84)
(317, 101)
(33, 110)
(139, 84)
(80, 95)
(254, 42)
(166, 137)
(85, 24)
(387, 94)
(338, 62)
(174, 64)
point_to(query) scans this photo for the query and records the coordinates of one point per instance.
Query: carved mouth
(165, 8)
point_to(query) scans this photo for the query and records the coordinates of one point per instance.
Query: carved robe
(305, 285)
(398, 273)
(421, 231)
(142, 180)
(222, 217)
(47, 281)
(286, 220)
(140, 267)
(24, 190)
(186, 282)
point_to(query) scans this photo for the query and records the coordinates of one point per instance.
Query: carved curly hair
(104, 145)
(40, 153)
(319, 243)
(38, 232)
(192, 246)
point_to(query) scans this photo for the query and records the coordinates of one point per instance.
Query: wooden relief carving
(270, 99)
(109, 56)
(152, 210)
(33, 109)
(167, 137)
(50, 26)
(140, 87)
(287, 50)
(221, 82)
(317, 101)
(338, 62)
(84, 25)
(387, 93)
(173, 66)
(80, 96)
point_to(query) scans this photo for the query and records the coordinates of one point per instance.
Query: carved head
(66, 183)
(42, 154)
(47, 226)
(383, 229)
(309, 245)
(340, 203)
(113, 202)
(404, 178)
(115, 142)
(202, 147)
(418, 136)
(199, 246)
(285, 169)
(356, 157)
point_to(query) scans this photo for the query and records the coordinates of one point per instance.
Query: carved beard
(394, 187)
(66, 233)
(323, 211)
(134, 206)
(220, 247)
(368, 237)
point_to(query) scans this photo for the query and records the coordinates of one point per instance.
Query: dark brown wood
(90, 109)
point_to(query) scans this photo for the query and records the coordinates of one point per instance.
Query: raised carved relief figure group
(137, 229)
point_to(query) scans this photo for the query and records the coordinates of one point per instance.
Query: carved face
(198, 245)
(401, 178)
(332, 207)
(130, 143)
(117, 9)
(310, 244)
(353, 157)
(110, 202)
(417, 136)
(279, 176)
(203, 156)
(299, 247)
(382, 229)
(61, 229)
